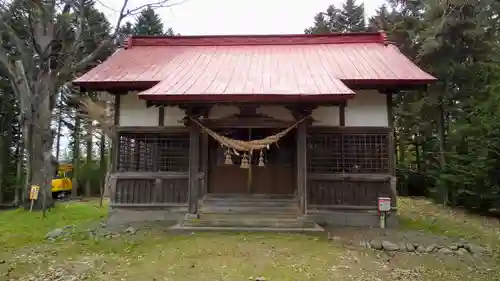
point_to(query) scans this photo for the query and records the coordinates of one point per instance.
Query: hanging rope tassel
(229, 158)
(261, 159)
(244, 162)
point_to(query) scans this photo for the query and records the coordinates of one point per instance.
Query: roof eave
(125, 86)
(247, 98)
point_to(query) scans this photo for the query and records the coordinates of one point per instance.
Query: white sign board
(384, 204)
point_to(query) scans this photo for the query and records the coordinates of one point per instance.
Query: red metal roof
(211, 72)
(199, 67)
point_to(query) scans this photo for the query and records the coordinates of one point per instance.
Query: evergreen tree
(350, 18)
(148, 23)
(448, 140)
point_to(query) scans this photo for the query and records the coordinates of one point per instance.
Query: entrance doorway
(275, 177)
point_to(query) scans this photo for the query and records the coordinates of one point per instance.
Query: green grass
(423, 215)
(156, 255)
(19, 228)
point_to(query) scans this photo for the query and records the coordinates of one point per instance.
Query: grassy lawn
(156, 255)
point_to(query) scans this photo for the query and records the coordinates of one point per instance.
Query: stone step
(241, 201)
(250, 196)
(249, 209)
(179, 227)
(233, 202)
(274, 223)
(229, 216)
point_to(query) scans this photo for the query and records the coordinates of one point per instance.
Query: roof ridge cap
(260, 39)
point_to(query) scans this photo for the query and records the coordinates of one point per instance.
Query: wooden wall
(152, 168)
(347, 167)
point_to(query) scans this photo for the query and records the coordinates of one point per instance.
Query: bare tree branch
(124, 12)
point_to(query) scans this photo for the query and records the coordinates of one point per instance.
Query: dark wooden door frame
(241, 122)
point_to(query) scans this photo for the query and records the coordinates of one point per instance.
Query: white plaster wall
(326, 116)
(133, 112)
(368, 108)
(221, 111)
(174, 116)
(276, 112)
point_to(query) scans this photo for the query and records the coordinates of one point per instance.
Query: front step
(249, 213)
(179, 227)
(249, 210)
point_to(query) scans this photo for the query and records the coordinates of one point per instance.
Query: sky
(214, 17)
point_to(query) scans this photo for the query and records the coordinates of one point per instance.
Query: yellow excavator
(62, 184)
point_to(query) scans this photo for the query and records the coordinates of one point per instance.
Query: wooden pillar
(204, 163)
(301, 168)
(392, 148)
(115, 142)
(342, 106)
(194, 159)
(161, 116)
(194, 163)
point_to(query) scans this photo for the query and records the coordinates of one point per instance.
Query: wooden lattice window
(153, 152)
(348, 152)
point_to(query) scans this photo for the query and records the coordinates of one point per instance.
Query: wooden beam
(161, 116)
(390, 121)
(352, 130)
(392, 148)
(194, 164)
(204, 162)
(157, 129)
(115, 144)
(301, 165)
(342, 107)
(319, 208)
(350, 177)
(145, 205)
(300, 112)
(151, 175)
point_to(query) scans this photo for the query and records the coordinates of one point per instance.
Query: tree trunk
(59, 125)
(18, 194)
(443, 190)
(40, 151)
(5, 152)
(401, 150)
(6, 134)
(88, 168)
(417, 154)
(3, 159)
(76, 157)
(27, 132)
(102, 165)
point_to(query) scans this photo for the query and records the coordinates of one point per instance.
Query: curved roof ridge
(277, 39)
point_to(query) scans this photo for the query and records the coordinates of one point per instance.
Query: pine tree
(351, 18)
(148, 23)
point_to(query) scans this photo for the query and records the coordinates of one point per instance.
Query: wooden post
(204, 163)
(342, 106)
(194, 163)
(204, 160)
(161, 116)
(301, 151)
(115, 142)
(392, 149)
(301, 165)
